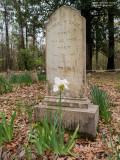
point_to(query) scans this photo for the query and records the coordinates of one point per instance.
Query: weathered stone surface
(71, 117)
(66, 58)
(67, 102)
(34, 76)
(9, 74)
(66, 51)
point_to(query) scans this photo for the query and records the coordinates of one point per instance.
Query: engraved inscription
(65, 50)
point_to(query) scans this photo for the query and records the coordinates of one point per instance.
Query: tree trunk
(88, 42)
(86, 13)
(96, 60)
(26, 36)
(97, 48)
(22, 43)
(22, 37)
(7, 38)
(3, 57)
(26, 26)
(111, 64)
(34, 38)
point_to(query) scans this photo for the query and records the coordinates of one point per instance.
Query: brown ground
(84, 149)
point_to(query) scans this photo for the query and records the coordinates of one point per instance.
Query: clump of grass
(28, 151)
(19, 108)
(47, 137)
(14, 78)
(113, 148)
(28, 107)
(41, 77)
(5, 86)
(23, 78)
(101, 98)
(7, 130)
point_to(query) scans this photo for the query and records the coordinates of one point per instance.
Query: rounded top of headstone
(64, 7)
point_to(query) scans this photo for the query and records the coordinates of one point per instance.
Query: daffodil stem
(60, 98)
(60, 107)
(59, 111)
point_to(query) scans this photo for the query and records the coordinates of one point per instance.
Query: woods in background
(22, 31)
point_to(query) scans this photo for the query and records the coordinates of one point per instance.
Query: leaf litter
(85, 148)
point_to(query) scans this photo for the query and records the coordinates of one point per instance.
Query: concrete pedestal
(74, 112)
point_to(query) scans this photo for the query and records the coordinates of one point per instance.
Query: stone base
(67, 102)
(71, 117)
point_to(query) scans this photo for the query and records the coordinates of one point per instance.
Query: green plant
(8, 130)
(26, 55)
(41, 77)
(114, 152)
(51, 134)
(32, 128)
(5, 86)
(102, 99)
(118, 87)
(19, 108)
(40, 96)
(23, 78)
(28, 151)
(28, 106)
(1, 139)
(14, 78)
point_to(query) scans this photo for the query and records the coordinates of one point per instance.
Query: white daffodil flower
(60, 84)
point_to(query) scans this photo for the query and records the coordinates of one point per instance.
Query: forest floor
(85, 148)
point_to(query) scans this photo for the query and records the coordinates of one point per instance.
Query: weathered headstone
(9, 74)
(66, 58)
(66, 48)
(34, 76)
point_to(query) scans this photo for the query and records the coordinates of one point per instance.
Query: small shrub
(5, 86)
(101, 98)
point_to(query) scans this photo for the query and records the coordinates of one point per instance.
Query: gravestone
(66, 59)
(9, 74)
(34, 76)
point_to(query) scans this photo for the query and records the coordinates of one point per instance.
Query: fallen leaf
(12, 146)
